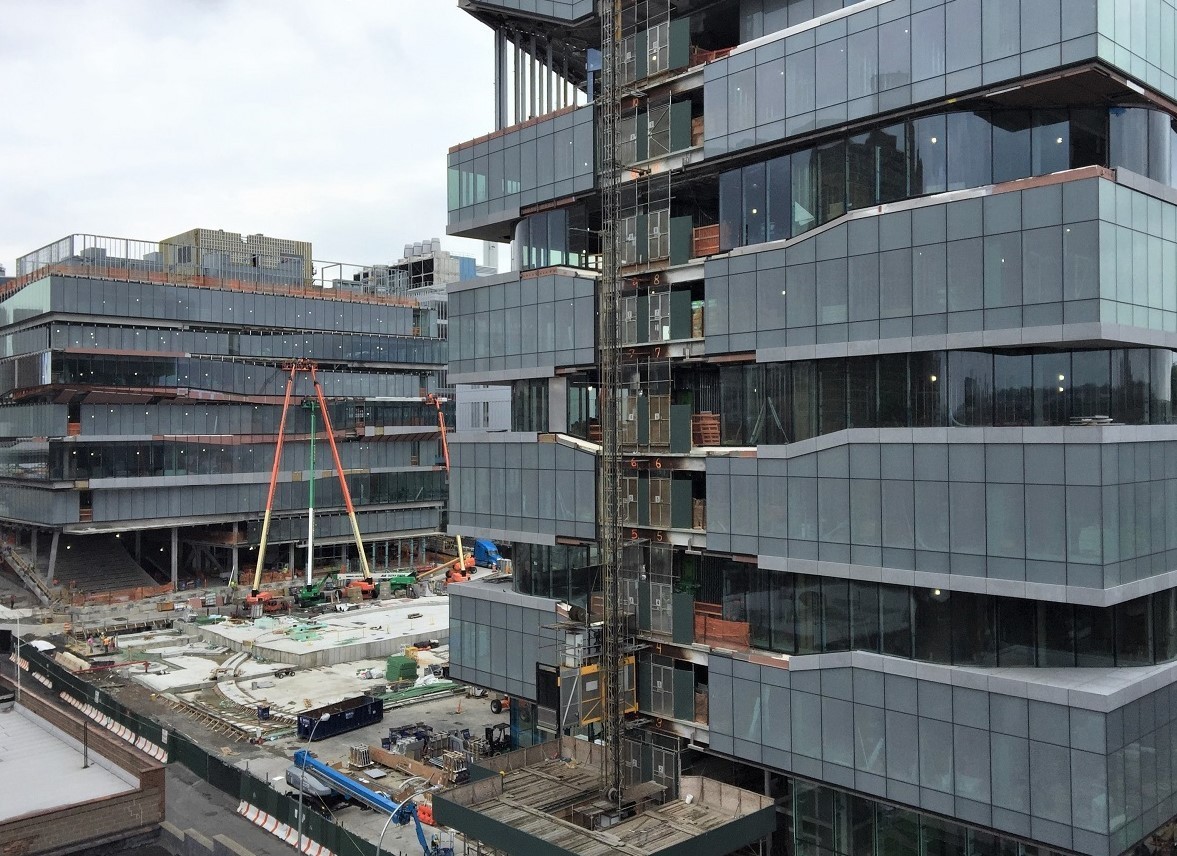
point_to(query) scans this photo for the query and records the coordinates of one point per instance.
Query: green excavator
(312, 595)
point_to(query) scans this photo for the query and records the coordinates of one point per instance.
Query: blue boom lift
(401, 813)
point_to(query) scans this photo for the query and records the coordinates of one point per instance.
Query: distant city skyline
(296, 119)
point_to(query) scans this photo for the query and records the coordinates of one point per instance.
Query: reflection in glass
(970, 159)
(895, 610)
(1050, 142)
(970, 396)
(1015, 632)
(929, 156)
(973, 625)
(1051, 382)
(932, 625)
(1011, 144)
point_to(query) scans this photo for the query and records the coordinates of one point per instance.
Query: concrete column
(518, 63)
(236, 558)
(33, 545)
(138, 545)
(550, 79)
(500, 80)
(175, 557)
(532, 63)
(292, 562)
(52, 556)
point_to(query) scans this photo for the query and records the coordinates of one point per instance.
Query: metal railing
(237, 269)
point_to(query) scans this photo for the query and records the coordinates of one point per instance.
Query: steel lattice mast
(609, 484)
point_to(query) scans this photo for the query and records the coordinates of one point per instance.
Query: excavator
(257, 600)
(313, 595)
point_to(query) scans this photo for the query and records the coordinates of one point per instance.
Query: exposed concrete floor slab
(370, 631)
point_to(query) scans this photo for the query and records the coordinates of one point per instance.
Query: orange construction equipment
(256, 596)
(456, 569)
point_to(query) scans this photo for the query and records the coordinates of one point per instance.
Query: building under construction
(840, 345)
(141, 389)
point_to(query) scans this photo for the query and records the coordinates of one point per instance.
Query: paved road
(192, 803)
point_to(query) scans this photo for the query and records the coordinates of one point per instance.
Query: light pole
(302, 775)
(404, 802)
(18, 658)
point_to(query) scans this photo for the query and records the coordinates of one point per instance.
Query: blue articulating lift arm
(401, 812)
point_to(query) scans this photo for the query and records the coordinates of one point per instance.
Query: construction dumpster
(341, 717)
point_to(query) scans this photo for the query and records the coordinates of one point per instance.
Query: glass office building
(899, 317)
(141, 391)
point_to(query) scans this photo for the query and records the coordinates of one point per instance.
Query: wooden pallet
(705, 429)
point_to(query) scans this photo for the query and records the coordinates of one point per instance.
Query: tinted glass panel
(1011, 144)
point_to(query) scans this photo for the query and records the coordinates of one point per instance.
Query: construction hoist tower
(613, 641)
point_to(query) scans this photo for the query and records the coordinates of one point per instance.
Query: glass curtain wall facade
(897, 413)
(143, 394)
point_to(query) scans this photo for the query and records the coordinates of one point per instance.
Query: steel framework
(608, 320)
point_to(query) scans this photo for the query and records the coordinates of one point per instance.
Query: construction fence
(258, 802)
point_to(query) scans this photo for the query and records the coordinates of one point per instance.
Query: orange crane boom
(295, 368)
(433, 400)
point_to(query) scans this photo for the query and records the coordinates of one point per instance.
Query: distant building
(141, 389)
(221, 252)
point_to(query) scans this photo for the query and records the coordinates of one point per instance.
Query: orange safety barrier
(712, 629)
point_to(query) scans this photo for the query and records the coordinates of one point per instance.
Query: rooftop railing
(244, 268)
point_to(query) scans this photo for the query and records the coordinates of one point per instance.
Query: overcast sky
(320, 120)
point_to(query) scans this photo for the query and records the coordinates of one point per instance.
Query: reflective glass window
(831, 82)
(895, 613)
(1089, 137)
(831, 160)
(836, 613)
(832, 379)
(927, 33)
(894, 54)
(755, 215)
(770, 91)
(1090, 383)
(974, 622)
(864, 615)
(1093, 637)
(1133, 644)
(893, 391)
(1011, 144)
(741, 100)
(877, 166)
(932, 625)
(730, 210)
(928, 171)
(778, 176)
(805, 191)
(1130, 386)
(862, 393)
(1165, 625)
(863, 64)
(1015, 632)
(1056, 634)
(1051, 382)
(1129, 138)
(970, 158)
(809, 609)
(1050, 142)
(1012, 390)
(927, 389)
(970, 395)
